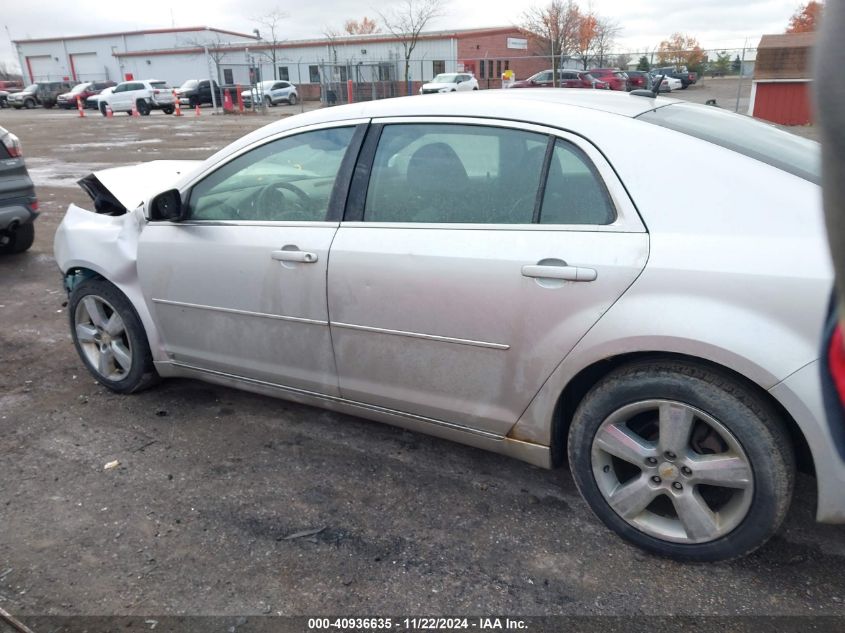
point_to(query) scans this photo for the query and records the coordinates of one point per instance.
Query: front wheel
(109, 337)
(29, 104)
(683, 461)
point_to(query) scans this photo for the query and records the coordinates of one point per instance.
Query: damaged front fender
(88, 244)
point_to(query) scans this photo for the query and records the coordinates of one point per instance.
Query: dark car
(43, 93)
(18, 204)
(82, 91)
(686, 77)
(566, 79)
(638, 79)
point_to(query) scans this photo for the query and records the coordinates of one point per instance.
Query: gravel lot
(212, 481)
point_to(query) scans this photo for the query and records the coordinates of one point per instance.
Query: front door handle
(567, 273)
(303, 257)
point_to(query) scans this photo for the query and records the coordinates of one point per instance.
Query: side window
(455, 173)
(290, 179)
(575, 193)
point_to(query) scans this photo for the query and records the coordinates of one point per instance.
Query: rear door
(458, 282)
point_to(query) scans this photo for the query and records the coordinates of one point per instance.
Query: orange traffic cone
(135, 110)
(109, 112)
(178, 108)
(79, 107)
(197, 111)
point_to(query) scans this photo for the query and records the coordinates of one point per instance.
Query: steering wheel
(272, 202)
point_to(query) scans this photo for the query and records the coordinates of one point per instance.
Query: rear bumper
(16, 213)
(801, 395)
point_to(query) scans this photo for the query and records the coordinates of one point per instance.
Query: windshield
(80, 88)
(588, 77)
(30, 88)
(445, 79)
(161, 85)
(742, 134)
(189, 85)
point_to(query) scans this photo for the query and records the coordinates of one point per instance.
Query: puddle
(48, 172)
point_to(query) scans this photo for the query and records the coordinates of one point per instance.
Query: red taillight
(34, 205)
(13, 145)
(155, 92)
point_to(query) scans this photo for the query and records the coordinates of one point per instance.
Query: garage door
(43, 68)
(87, 67)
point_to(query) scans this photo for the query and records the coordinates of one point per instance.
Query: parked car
(93, 102)
(614, 77)
(270, 93)
(4, 95)
(11, 85)
(43, 93)
(18, 204)
(146, 95)
(82, 91)
(667, 83)
(450, 82)
(681, 74)
(566, 79)
(669, 349)
(196, 92)
(638, 80)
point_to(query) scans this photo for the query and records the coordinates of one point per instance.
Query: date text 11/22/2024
(415, 624)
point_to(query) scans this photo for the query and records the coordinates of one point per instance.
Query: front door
(477, 258)
(240, 286)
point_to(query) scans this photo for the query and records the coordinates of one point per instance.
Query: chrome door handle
(568, 273)
(294, 256)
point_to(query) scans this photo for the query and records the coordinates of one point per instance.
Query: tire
(102, 109)
(92, 306)
(623, 414)
(29, 104)
(167, 110)
(18, 239)
(48, 105)
(193, 102)
(267, 102)
(143, 107)
(292, 100)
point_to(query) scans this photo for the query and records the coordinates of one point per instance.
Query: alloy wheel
(672, 471)
(103, 338)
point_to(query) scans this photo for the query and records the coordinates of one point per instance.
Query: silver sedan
(498, 269)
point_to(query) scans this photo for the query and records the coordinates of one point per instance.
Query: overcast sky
(716, 23)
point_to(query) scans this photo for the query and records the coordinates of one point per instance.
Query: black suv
(18, 204)
(43, 93)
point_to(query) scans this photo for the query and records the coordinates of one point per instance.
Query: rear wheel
(682, 461)
(109, 337)
(167, 110)
(267, 102)
(18, 239)
(292, 100)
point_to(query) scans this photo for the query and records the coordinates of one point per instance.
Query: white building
(175, 55)
(102, 56)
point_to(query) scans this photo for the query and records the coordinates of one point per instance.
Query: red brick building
(490, 52)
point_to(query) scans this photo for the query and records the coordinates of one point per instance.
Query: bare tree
(215, 46)
(553, 30)
(272, 27)
(607, 30)
(623, 60)
(407, 21)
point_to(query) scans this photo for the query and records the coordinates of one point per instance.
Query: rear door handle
(567, 273)
(304, 257)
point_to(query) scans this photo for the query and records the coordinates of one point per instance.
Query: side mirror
(167, 206)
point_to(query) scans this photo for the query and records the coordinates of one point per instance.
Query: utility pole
(741, 68)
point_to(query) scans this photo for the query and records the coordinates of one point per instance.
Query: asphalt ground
(229, 503)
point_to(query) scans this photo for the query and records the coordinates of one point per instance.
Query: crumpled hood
(120, 189)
